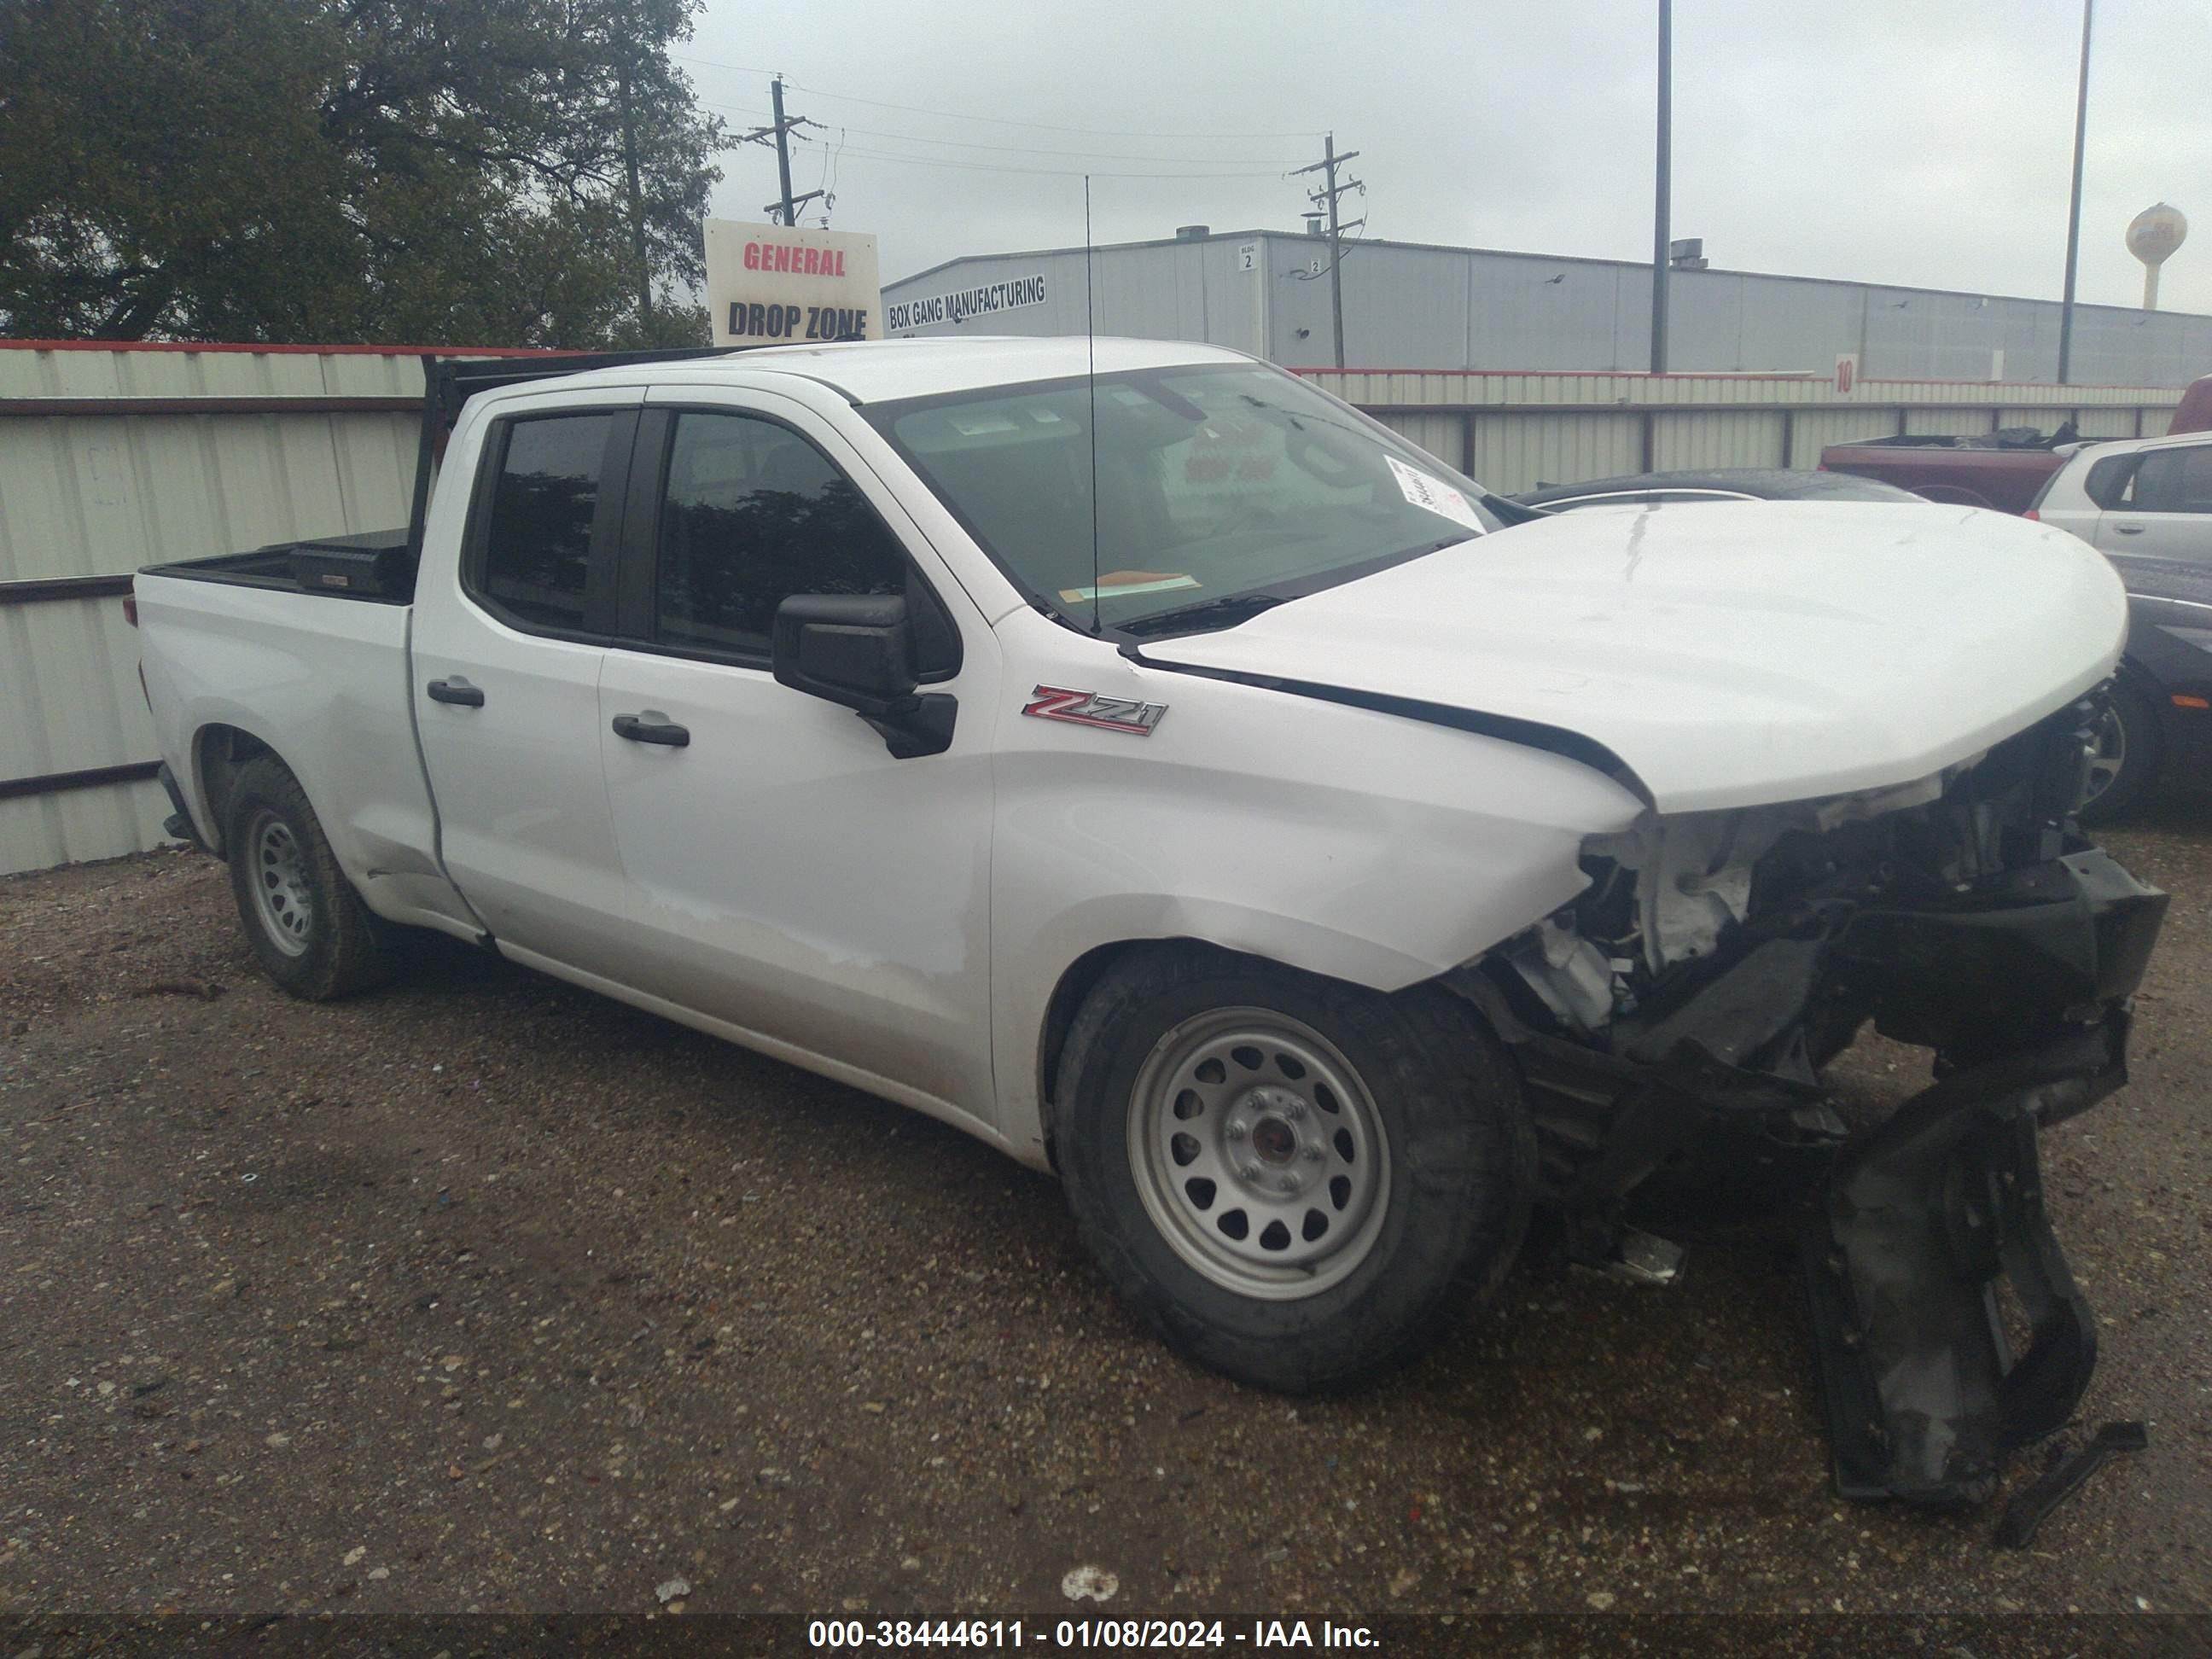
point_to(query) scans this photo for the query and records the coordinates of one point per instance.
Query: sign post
(770, 284)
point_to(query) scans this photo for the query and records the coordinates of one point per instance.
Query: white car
(1178, 780)
(2149, 498)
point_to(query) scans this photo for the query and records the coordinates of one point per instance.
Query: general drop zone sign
(776, 282)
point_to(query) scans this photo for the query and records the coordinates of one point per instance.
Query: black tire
(2142, 747)
(333, 946)
(1442, 1230)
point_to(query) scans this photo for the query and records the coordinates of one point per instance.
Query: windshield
(1222, 482)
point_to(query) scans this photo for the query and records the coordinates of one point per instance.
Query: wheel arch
(220, 751)
(1074, 985)
(1086, 941)
(1083, 974)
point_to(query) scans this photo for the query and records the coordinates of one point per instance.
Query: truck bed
(376, 566)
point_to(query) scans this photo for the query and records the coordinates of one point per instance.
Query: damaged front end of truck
(1671, 1024)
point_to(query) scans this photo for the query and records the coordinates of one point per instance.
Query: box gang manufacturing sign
(776, 282)
(961, 304)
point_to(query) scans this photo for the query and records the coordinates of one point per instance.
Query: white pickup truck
(1169, 775)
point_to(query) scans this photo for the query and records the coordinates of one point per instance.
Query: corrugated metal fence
(1516, 431)
(113, 457)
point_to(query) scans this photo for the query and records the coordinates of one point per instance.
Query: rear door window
(536, 561)
(2174, 481)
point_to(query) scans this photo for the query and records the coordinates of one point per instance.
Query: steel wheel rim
(2110, 755)
(281, 897)
(1247, 1112)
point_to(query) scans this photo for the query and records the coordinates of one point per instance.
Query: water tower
(2152, 238)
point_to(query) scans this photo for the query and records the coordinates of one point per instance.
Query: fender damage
(1672, 1022)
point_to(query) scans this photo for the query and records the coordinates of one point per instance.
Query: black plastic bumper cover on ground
(1924, 1215)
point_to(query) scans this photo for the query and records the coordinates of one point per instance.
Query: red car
(2005, 470)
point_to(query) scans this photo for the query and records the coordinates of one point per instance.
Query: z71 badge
(1053, 702)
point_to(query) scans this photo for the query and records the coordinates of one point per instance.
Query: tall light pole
(1659, 232)
(2074, 211)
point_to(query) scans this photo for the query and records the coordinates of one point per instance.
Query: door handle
(2129, 529)
(665, 732)
(457, 691)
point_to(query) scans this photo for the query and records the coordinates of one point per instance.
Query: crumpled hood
(1731, 655)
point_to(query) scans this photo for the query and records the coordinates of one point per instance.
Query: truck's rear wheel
(306, 925)
(1299, 1182)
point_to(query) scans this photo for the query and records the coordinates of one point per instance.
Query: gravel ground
(481, 1293)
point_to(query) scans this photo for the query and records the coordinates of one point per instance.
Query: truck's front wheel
(1299, 1182)
(306, 925)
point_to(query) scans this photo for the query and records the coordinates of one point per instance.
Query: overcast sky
(1918, 142)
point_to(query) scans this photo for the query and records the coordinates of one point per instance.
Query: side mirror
(850, 649)
(857, 650)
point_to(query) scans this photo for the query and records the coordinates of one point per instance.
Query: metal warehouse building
(1409, 305)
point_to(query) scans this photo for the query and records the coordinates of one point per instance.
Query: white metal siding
(1439, 434)
(1520, 452)
(69, 674)
(80, 824)
(1408, 304)
(1679, 442)
(1812, 430)
(98, 496)
(101, 495)
(125, 372)
(2108, 423)
(1939, 421)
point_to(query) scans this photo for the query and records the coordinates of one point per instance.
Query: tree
(460, 172)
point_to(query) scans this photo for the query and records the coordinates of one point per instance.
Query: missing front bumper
(1916, 1229)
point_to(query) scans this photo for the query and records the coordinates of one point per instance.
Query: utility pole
(1660, 203)
(1329, 193)
(780, 135)
(2074, 211)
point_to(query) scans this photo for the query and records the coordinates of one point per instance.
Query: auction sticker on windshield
(1433, 495)
(1126, 584)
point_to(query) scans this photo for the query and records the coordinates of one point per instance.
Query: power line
(995, 120)
(828, 193)
(1017, 150)
(1046, 126)
(1050, 172)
